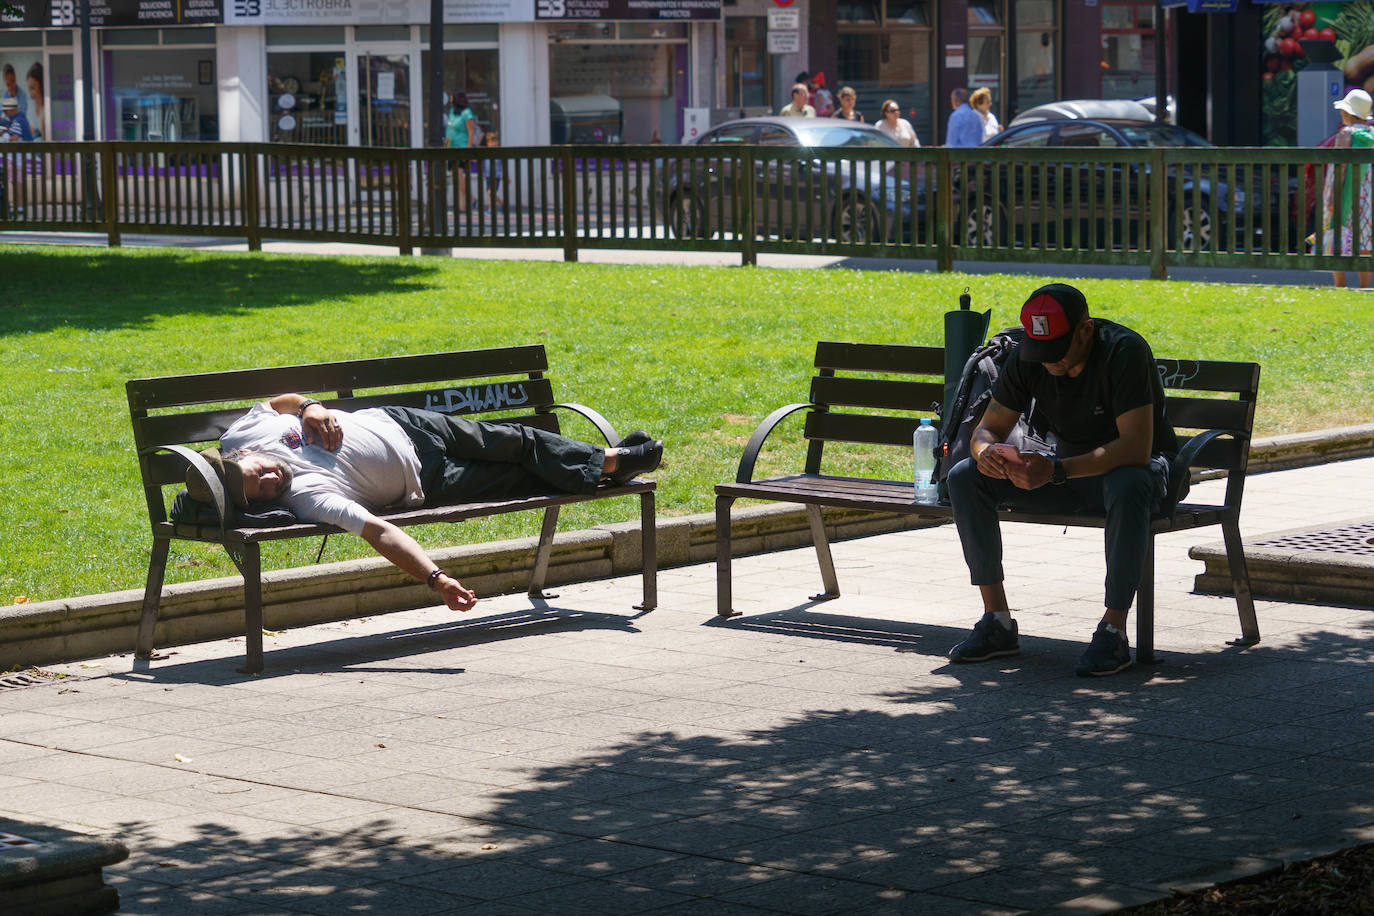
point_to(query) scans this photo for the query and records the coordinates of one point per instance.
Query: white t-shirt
(375, 467)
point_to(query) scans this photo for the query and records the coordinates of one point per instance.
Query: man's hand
(1034, 471)
(321, 428)
(454, 594)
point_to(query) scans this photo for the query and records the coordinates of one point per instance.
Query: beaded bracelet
(434, 577)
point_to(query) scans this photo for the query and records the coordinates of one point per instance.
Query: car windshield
(1160, 135)
(841, 135)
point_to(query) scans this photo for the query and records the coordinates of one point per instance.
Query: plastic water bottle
(923, 448)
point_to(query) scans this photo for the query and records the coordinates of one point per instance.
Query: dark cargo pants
(463, 460)
(1128, 496)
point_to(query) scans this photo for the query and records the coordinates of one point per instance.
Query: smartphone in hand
(1008, 452)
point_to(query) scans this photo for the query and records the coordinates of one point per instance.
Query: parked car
(1098, 192)
(849, 200)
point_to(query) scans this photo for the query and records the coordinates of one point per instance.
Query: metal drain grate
(22, 679)
(1351, 539)
(14, 840)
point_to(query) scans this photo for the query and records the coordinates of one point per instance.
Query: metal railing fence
(1284, 208)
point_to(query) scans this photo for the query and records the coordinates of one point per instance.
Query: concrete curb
(83, 627)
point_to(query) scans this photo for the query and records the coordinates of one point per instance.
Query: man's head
(248, 477)
(800, 94)
(1058, 329)
(958, 97)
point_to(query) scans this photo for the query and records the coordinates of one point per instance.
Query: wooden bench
(876, 394)
(174, 414)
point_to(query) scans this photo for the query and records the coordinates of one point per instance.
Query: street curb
(63, 630)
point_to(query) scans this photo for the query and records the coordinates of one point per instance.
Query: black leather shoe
(638, 437)
(637, 459)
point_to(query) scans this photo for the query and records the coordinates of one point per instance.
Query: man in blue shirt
(18, 128)
(965, 127)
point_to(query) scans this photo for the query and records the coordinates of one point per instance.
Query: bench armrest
(597, 419)
(1181, 471)
(751, 451)
(207, 474)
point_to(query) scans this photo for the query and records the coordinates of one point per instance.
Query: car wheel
(1195, 225)
(980, 229)
(856, 221)
(686, 217)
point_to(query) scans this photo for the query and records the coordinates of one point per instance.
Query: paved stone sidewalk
(580, 758)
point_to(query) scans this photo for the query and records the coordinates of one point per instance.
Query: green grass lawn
(697, 355)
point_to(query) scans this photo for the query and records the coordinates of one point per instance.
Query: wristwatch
(1058, 477)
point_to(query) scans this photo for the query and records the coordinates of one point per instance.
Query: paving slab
(803, 758)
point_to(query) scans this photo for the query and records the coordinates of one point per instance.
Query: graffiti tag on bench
(1175, 373)
(473, 398)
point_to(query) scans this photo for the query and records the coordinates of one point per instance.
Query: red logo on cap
(1044, 319)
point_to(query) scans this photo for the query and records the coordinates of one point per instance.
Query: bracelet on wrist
(434, 576)
(300, 411)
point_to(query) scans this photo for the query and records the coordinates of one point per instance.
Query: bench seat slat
(347, 375)
(861, 357)
(882, 394)
(400, 517)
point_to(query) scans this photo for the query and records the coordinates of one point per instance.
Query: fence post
(1158, 209)
(109, 191)
(748, 228)
(251, 228)
(944, 211)
(401, 192)
(569, 206)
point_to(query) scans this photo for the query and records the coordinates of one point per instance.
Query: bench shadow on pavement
(1005, 786)
(351, 651)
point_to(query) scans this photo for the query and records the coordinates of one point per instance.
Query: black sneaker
(638, 437)
(637, 459)
(989, 639)
(1108, 653)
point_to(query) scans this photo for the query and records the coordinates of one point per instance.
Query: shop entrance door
(384, 109)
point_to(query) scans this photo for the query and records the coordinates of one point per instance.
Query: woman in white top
(981, 102)
(895, 126)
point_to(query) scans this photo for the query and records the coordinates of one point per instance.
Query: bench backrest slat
(1209, 375)
(1208, 413)
(864, 428)
(347, 375)
(861, 357)
(209, 425)
(882, 394)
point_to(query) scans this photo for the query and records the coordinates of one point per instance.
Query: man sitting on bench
(333, 467)
(1096, 384)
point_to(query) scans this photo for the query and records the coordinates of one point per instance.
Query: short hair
(980, 95)
(9, 70)
(959, 95)
(890, 102)
(800, 87)
(846, 91)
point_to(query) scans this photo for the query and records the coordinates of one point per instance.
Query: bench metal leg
(723, 597)
(648, 543)
(250, 564)
(1240, 583)
(1145, 607)
(818, 536)
(152, 596)
(542, 554)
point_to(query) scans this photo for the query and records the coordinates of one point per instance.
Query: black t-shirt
(1120, 376)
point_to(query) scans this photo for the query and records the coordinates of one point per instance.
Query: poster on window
(1299, 36)
(23, 96)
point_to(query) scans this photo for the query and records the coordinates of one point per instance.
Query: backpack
(971, 398)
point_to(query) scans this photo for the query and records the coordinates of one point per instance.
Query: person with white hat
(18, 128)
(1356, 226)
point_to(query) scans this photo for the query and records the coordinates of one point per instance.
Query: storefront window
(890, 59)
(1128, 50)
(747, 81)
(617, 92)
(22, 78)
(160, 94)
(307, 97)
(473, 72)
(986, 34)
(61, 94)
(1036, 50)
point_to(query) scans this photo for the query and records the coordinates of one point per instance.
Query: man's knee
(962, 478)
(1131, 486)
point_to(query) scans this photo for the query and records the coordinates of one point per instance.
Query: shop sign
(784, 42)
(784, 20)
(106, 13)
(626, 10)
(370, 12)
